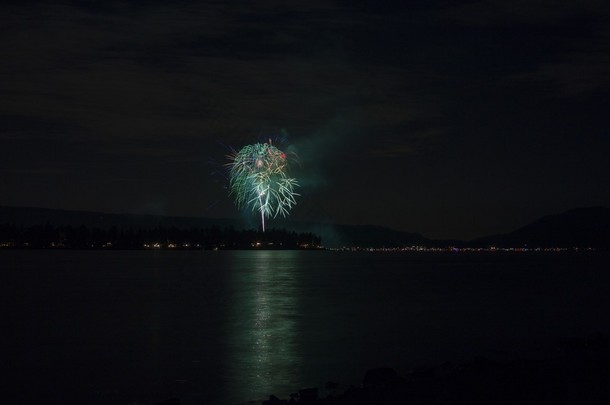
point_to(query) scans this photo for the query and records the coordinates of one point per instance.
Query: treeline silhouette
(83, 237)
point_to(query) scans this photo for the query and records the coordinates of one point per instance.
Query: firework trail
(259, 180)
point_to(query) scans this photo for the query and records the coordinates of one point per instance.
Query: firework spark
(259, 180)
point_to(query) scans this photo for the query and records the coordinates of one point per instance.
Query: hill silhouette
(332, 235)
(581, 227)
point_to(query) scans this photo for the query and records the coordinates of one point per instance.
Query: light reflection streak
(262, 353)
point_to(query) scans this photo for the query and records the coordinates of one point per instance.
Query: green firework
(259, 180)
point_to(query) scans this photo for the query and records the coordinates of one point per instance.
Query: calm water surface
(228, 327)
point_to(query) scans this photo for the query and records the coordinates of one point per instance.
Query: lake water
(126, 327)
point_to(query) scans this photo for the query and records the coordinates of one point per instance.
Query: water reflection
(262, 353)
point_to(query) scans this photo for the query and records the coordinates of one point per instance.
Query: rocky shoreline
(579, 375)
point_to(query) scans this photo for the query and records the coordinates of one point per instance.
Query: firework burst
(259, 180)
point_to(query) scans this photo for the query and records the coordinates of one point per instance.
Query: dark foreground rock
(580, 375)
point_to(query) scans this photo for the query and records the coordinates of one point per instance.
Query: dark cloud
(498, 12)
(428, 103)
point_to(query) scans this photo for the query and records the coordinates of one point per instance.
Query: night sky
(451, 119)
